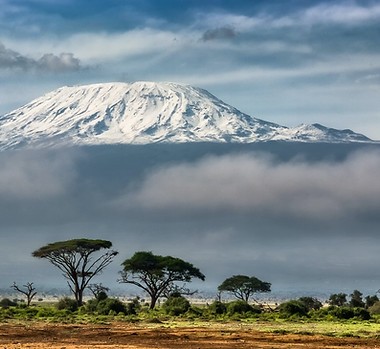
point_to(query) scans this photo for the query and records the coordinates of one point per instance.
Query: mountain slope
(142, 113)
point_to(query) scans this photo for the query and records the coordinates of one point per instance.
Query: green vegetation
(158, 276)
(302, 316)
(176, 305)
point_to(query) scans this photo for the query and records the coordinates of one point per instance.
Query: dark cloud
(219, 33)
(13, 60)
(50, 63)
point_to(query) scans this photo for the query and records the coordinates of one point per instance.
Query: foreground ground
(126, 335)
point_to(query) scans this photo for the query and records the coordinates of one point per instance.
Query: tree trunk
(153, 300)
(79, 298)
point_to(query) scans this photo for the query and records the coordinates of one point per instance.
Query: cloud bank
(34, 176)
(259, 186)
(49, 63)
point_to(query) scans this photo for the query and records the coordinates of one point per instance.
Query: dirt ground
(122, 335)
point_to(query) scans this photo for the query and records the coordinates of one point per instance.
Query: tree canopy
(242, 286)
(75, 259)
(156, 274)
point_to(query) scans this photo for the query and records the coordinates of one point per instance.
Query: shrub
(344, 313)
(47, 312)
(310, 303)
(241, 307)
(176, 305)
(67, 304)
(293, 307)
(375, 309)
(217, 308)
(194, 312)
(101, 296)
(110, 305)
(370, 301)
(362, 314)
(90, 306)
(133, 307)
(6, 303)
(349, 313)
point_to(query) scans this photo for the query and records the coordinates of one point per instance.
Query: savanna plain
(45, 326)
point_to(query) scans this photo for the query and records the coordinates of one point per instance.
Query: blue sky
(289, 62)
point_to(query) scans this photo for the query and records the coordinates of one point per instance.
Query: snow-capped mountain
(142, 113)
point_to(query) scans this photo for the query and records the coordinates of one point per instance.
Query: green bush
(101, 296)
(310, 303)
(90, 306)
(217, 308)
(370, 301)
(341, 313)
(47, 312)
(109, 306)
(344, 313)
(241, 307)
(293, 307)
(176, 305)
(362, 314)
(133, 307)
(67, 304)
(375, 309)
(6, 303)
(194, 312)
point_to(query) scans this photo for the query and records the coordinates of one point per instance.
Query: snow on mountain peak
(141, 113)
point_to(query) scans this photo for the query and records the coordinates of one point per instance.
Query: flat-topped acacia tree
(77, 260)
(242, 286)
(156, 274)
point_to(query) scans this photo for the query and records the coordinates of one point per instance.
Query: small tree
(243, 287)
(30, 291)
(356, 299)
(156, 274)
(338, 299)
(75, 259)
(370, 301)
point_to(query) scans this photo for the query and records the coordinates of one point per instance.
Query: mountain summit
(142, 113)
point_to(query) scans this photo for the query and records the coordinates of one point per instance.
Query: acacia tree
(30, 291)
(242, 286)
(75, 258)
(157, 274)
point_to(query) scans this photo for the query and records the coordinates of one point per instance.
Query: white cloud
(258, 186)
(341, 13)
(325, 13)
(100, 46)
(34, 176)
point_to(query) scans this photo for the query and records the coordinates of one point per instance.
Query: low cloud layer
(50, 63)
(26, 176)
(257, 185)
(307, 222)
